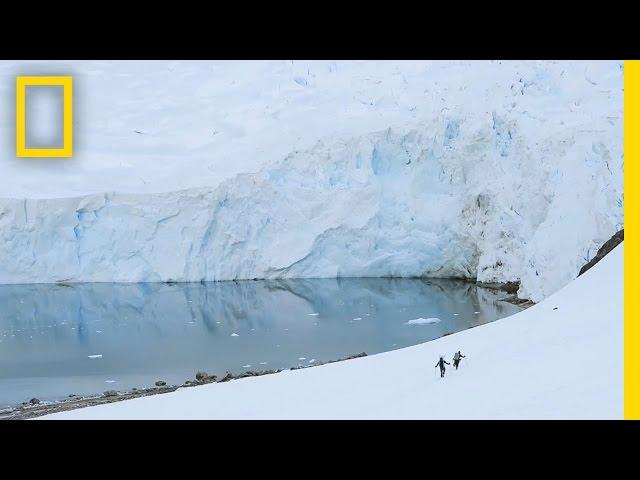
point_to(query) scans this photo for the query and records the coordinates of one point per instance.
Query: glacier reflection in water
(57, 340)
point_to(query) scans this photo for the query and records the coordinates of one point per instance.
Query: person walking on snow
(456, 359)
(441, 363)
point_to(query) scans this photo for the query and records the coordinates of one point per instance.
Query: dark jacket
(441, 363)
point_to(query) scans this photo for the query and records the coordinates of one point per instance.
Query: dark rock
(201, 376)
(226, 378)
(110, 393)
(609, 245)
(207, 379)
(511, 287)
(357, 355)
(520, 302)
(160, 383)
(34, 401)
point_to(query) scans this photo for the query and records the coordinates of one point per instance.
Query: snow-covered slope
(560, 359)
(498, 171)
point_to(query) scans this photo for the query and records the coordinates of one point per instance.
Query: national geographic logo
(27, 144)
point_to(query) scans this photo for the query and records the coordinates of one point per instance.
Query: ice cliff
(524, 186)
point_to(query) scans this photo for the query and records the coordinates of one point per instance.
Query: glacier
(419, 204)
(517, 178)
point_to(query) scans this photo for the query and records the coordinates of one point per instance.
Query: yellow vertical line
(68, 117)
(631, 250)
(20, 117)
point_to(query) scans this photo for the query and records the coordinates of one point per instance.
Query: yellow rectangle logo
(22, 150)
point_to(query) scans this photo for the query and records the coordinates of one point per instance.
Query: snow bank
(500, 171)
(560, 359)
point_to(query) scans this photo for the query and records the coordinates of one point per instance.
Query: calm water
(140, 333)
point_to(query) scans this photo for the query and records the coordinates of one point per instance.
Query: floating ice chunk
(109, 381)
(95, 356)
(313, 314)
(235, 335)
(263, 363)
(246, 366)
(423, 321)
(312, 360)
(476, 312)
(358, 318)
(98, 331)
(456, 314)
(302, 358)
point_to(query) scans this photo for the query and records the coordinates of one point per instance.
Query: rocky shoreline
(36, 408)
(509, 287)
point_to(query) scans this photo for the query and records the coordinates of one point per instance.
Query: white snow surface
(500, 171)
(541, 363)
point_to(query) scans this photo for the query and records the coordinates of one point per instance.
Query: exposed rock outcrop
(609, 245)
